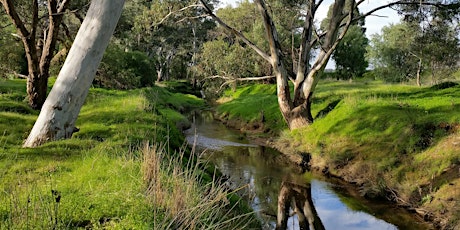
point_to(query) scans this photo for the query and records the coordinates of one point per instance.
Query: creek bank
(397, 142)
(352, 171)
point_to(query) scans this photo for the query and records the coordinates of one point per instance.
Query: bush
(122, 69)
(12, 54)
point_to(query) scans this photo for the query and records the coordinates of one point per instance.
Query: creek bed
(270, 186)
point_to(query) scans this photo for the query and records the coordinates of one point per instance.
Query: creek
(270, 185)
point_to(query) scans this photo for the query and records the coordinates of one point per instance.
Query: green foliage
(404, 49)
(350, 53)
(391, 53)
(168, 34)
(122, 69)
(228, 56)
(12, 52)
(95, 179)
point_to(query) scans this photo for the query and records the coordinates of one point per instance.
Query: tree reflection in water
(297, 198)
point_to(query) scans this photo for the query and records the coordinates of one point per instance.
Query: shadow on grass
(327, 109)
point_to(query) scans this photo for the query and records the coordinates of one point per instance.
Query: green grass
(96, 179)
(248, 104)
(392, 139)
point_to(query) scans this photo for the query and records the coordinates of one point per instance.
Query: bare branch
(236, 33)
(318, 4)
(229, 80)
(241, 79)
(18, 75)
(173, 13)
(426, 3)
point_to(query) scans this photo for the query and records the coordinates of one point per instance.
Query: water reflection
(297, 198)
(282, 197)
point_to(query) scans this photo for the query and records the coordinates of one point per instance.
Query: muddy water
(281, 194)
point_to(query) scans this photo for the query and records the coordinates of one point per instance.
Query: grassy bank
(396, 141)
(124, 169)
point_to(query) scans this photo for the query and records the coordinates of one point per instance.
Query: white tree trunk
(62, 106)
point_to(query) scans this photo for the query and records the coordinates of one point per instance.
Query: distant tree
(392, 53)
(170, 33)
(350, 53)
(227, 57)
(403, 51)
(62, 106)
(12, 58)
(441, 49)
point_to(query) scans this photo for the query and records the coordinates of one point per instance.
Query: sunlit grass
(393, 140)
(96, 178)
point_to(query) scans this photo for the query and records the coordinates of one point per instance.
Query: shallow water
(263, 179)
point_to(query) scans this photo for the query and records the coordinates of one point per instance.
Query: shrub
(122, 69)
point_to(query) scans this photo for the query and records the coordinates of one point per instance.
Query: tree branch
(229, 80)
(174, 12)
(13, 14)
(240, 79)
(235, 32)
(425, 3)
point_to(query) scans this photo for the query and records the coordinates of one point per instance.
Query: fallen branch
(229, 80)
(20, 75)
(240, 79)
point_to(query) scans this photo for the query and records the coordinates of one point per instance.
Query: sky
(374, 24)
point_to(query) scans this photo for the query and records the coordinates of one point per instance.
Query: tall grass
(182, 199)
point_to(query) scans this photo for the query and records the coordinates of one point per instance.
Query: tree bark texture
(61, 108)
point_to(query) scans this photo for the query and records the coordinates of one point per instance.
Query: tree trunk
(419, 70)
(296, 111)
(60, 110)
(37, 86)
(38, 58)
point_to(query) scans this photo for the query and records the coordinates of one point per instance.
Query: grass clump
(96, 178)
(173, 188)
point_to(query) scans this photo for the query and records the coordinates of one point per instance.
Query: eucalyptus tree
(350, 53)
(34, 39)
(392, 52)
(440, 49)
(296, 107)
(404, 51)
(170, 32)
(62, 106)
(224, 56)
